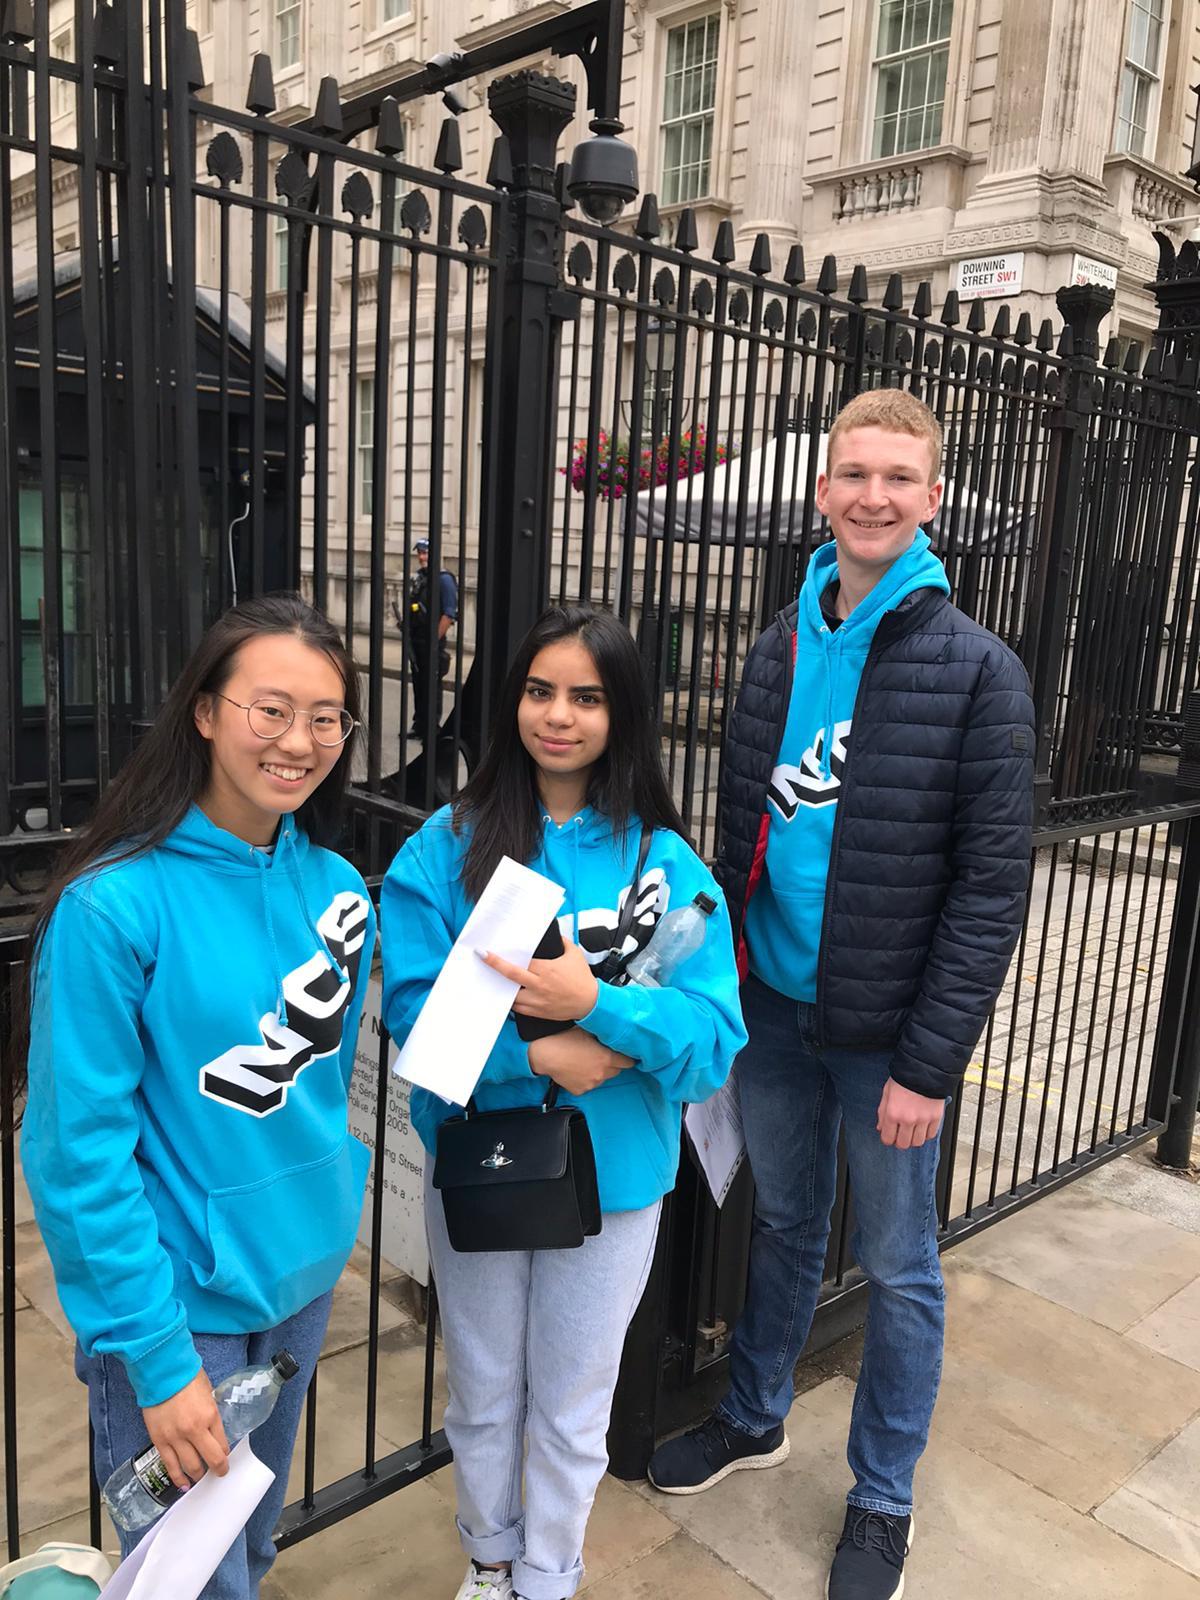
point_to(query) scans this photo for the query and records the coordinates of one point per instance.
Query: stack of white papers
(461, 1020)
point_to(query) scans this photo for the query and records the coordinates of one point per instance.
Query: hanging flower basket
(615, 474)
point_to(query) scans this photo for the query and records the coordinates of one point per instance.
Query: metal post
(1045, 635)
(532, 109)
(1175, 1073)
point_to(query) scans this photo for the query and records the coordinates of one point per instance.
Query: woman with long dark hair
(572, 785)
(198, 974)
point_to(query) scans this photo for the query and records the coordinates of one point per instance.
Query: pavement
(1064, 1460)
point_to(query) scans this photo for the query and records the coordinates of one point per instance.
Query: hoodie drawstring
(280, 1002)
(576, 826)
(831, 644)
(287, 840)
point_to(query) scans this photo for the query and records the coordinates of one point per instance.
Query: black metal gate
(562, 409)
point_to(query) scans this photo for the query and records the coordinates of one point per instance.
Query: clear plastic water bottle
(679, 935)
(141, 1489)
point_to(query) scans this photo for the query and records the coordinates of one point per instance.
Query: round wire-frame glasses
(271, 719)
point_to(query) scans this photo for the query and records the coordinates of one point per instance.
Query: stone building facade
(999, 147)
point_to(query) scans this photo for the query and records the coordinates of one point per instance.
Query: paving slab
(341, 1407)
(1159, 1507)
(1174, 1328)
(1137, 1181)
(980, 1531)
(350, 1318)
(35, 1278)
(1156, 1530)
(405, 1546)
(1106, 1261)
(52, 1443)
(23, 1209)
(1056, 1399)
(678, 1570)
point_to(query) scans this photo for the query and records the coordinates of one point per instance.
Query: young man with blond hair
(876, 818)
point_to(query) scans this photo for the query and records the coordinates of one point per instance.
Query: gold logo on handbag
(497, 1158)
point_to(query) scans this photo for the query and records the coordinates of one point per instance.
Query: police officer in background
(415, 622)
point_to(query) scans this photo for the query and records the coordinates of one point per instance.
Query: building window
(76, 676)
(62, 96)
(912, 49)
(287, 26)
(281, 252)
(365, 446)
(1140, 76)
(689, 104)
(393, 10)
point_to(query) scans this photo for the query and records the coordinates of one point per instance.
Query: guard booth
(137, 562)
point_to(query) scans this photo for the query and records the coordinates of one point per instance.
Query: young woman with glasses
(198, 977)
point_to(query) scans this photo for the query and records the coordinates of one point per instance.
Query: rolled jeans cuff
(531, 1583)
(887, 1507)
(494, 1547)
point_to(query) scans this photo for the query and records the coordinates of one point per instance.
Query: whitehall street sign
(990, 277)
(1085, 270)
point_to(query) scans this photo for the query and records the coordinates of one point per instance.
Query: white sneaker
(480, 1584)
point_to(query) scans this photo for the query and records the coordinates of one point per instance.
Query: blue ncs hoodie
(195, 1013)
(683, 1038)
(783, 922)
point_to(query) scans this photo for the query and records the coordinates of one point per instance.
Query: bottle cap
(706, 903)
(285, 1364)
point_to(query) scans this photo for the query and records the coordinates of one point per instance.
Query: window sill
(388, 30)
(287, 74)
(704, 202)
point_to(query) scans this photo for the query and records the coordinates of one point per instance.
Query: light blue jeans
(794, 1097)
(121, 1430)
(533, 1346)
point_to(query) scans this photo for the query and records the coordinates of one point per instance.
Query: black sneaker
(705, 1455)
(869, 1564)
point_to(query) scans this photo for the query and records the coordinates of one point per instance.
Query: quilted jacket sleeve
(981, 919)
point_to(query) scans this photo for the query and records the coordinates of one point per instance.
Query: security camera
(444, 62)
(454, 102)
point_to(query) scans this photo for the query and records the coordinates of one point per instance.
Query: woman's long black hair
(169, 769)
(501, 803)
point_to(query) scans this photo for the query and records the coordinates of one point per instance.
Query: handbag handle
(548, 1104)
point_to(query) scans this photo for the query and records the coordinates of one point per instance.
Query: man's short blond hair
(895, 411)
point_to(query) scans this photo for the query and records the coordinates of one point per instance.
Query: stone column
(1053, 106)
(779, 126)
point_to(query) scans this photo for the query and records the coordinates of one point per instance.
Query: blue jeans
(121, 1430)
(794, 1096)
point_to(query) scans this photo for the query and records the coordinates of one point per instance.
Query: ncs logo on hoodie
(255, 1078)
(808, 783)
(598, 924)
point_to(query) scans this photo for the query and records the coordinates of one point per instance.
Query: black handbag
(525, 1178)
(520, 1179)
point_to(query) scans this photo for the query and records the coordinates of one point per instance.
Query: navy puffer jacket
(932, 842)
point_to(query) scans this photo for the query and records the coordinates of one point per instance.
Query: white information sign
(1085, 270)
(990, 277)
(403, 1161)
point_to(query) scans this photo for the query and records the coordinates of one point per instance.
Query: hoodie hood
(917, 568)
(199, 839)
